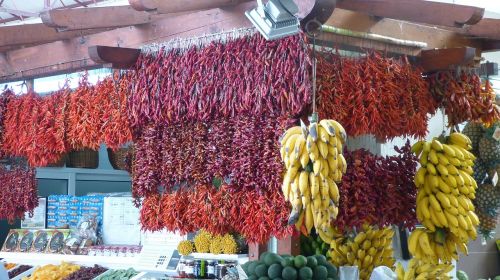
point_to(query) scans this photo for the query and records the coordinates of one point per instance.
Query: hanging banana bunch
(444, 199)
(314, 165)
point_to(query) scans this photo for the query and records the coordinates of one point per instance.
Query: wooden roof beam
(27, 34)
(428, 12)
(445, 59)
(486, 28)
(177, 6)
(94, 17)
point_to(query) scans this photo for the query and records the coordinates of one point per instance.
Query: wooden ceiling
(61, 42)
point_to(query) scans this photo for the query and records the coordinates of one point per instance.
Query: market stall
(316, 148)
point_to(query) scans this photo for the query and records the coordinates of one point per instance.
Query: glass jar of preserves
(189, 268)
(200, 269)
(211, 266)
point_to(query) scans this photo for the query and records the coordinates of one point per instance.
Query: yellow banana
(291, 131)
(436, 145)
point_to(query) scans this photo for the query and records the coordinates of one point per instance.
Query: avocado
(261, 270)
(274, 271)
(252, 277)
(320, 273)
(263, 256)
(272, 258)
(321, 259)
(312, 262)
(332, 270)
(251, 267)
(306, 273)
(287, 261)
(289, 273)
(300, 261)
(263, 278)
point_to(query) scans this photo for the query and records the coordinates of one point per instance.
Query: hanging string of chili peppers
(44, 128)
(256, 215)
(243, 150)
(18, 191)
(378, 190)
(5, 98)
(245, 76)
(373, 94)
(464, 98)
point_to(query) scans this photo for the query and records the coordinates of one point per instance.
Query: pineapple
(474, 131)
(488, 199)
(480, 170)
(487, 224)
(489, 150)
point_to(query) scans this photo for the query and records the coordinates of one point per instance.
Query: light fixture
(275, 19)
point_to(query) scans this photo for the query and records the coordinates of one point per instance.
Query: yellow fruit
(431, 169)
(443, 199)
(420, 176)
(433, 157)
(449, 151)
(442, 170)
(417, 147)
(323, 149)
(434, 203)
(436, 145)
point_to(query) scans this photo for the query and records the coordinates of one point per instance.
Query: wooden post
(289, 245)
(255, 250)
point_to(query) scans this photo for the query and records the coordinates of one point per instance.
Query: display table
(36, 259)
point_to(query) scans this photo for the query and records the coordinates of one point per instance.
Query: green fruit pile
(286, 267)
(313, 245)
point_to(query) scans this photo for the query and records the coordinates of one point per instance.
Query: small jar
(220, 270)
(200, 269)
(181, 269)
(211, 266)
(189, 268)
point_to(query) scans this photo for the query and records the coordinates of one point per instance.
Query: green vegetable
(300, 261)
(251, 267)
(332, 270)
(287, 261)
(312, 262)
(289, 273)
(320, 273)
(272, 258)
(263, 256)
(261, 270)
(118, 274)
(461, 275)
(264, 278)
(274, 271)
(252, 277)
(306, 273)
(321, 260)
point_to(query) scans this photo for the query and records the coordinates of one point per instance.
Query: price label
(494, 180)
(496, 134)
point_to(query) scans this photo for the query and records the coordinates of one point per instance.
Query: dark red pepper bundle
(242, 150)
(245, 76)
(5, 98)
(463, 98)
(373, 94)
(18, 191)
(378, 190)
